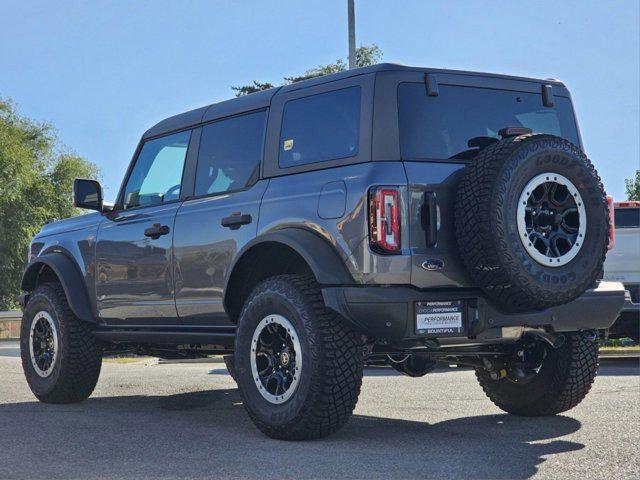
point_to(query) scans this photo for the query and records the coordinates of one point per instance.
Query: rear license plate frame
(440, 318)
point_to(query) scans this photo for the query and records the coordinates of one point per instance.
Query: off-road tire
(488, 240)
(77, 366)
(565, 378)
(332, 369)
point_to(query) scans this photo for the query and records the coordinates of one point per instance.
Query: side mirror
(87, 194)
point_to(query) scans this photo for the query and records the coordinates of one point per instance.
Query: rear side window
(320, 127)
(627, 217)
(230, 153)
(441, 127)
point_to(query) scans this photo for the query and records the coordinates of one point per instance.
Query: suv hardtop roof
(262, 99)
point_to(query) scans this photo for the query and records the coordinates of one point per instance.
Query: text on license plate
(439, 318)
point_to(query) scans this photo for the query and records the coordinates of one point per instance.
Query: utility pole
(352, 34)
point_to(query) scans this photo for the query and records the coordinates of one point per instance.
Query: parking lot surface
(160, 421)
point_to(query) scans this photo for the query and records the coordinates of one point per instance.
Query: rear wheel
(298, 367)
(60, 357)
(554, 381)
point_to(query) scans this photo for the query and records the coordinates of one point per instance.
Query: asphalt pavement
(161, 421)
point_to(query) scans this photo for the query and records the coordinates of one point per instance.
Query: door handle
(156, 231)
(432, 219)
(236, 220)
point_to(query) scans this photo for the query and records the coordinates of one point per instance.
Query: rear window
(627, 217)
(320, 128)
(440, 127)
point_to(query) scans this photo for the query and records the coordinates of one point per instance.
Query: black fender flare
(70, 277)
(323, 260)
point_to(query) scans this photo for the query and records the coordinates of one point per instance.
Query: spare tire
(532, 222)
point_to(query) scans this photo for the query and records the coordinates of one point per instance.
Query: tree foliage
(633, 187)
(36, 178)
(365, 55)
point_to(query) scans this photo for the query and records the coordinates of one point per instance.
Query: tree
(365, 55)
(36, 178)
(633, 187)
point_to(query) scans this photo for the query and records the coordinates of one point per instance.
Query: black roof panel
(253, 101)
(262, 99)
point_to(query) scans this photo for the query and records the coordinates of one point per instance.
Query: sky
(104, 72)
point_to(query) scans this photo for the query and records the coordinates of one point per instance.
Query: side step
(165, 337)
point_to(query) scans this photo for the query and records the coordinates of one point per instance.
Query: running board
(164, 337)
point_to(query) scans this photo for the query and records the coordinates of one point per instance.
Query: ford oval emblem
(433, 264)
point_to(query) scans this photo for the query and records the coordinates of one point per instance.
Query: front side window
(157, 174)
(320, 127)
(441, 127)
(230, 153)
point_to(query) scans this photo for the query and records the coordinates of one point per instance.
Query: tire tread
(482, 255)
(335, 392)
(575, 369)
(80, 363)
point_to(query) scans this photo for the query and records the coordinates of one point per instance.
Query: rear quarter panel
(299, 201)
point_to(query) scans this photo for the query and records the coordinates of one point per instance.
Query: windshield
(460, 120)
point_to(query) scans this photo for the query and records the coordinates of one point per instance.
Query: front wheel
(298, 367)
(60, 357)
(558, 381)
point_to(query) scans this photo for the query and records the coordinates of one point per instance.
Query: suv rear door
(220, 216)
(433, 117)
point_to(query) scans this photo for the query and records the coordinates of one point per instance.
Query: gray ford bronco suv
(406, 214)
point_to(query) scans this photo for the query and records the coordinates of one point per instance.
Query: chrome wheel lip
(43, 315)
(293, 334)
(534, 253)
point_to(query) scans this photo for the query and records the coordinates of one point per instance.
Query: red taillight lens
(384, 219)
(612, 223)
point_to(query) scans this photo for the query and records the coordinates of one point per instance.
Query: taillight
(629, 204)
(384, 219)
(612, 223)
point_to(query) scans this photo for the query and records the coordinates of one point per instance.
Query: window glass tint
(230, 153)
(627, 217)
(440, 127)
(320, 127)
(157, 174)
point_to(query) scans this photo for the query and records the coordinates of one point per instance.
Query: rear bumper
(628, 322)
(630, 306)
(388, 313)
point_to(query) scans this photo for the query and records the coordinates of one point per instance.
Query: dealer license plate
(439, 318)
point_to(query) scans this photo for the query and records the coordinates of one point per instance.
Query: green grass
(618, 342)
(614, 349)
